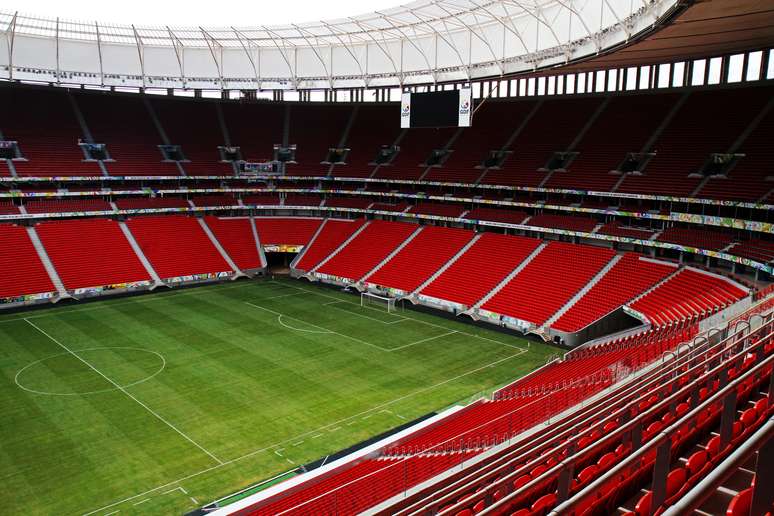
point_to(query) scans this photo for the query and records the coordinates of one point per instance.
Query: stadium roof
(425, 41)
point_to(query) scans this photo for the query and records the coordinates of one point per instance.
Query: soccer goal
(371, 300)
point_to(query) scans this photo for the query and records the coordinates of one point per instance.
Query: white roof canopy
(424, 41)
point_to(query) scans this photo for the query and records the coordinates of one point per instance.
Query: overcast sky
(195, 13)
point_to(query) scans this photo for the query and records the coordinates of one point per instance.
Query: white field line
(428, 339)
(306, 434)
(281, 296)
(290, 327)
(415, 320)
(122, 389)
(334, 303)
(323, 330)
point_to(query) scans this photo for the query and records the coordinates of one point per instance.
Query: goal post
(371, 300)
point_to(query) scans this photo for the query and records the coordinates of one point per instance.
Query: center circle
(33, 377)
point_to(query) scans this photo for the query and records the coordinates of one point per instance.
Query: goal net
(369, 299)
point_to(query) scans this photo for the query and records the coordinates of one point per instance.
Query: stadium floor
(161, 403)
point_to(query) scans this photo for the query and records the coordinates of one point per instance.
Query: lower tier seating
(489, 260)
(367, 249)
(331, 236)
(534, 294)
(287, 231)
(101, 256)
(176, 246)
(688, 295)
(21, 271)
(236, 237)
(631, 276)
(424, 255)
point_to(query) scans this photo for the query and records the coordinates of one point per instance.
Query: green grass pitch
(161, 403)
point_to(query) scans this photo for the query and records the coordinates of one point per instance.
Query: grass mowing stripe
(237, 382)
(122, 389)
(313, 433)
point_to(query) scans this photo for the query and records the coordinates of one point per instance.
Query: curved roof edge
(419, 43)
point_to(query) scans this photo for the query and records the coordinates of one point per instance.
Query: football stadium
(454, 257)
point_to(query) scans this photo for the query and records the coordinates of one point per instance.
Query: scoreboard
(451, 108)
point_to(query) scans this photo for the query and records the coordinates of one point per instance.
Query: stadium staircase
(687, 295)
(451, 261)
(577, 264)
(418, 258)
(262, 261)
(334, 239)
(583, 291)
(140, 255)
(366, 250)
(392, 254)
(47, 264)
(509, 277)
(215, 241)
(491, 259)
(178, 247)
(630, 277)
(103, 256)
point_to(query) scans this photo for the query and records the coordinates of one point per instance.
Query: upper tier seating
(420, 258)
(438, 209)
(415, 148)
(687, 295)
(314, 129)
(101, 257)
(332, 235)
(497, 215)
(255, 128)
(571, 222)
(695, 237)
(366, 136)
(21, 271)
(685, 144)
(67, 205)
(289, 231)
(605, 145)
(52, 151)
(199, 140)
(534, 294)
(562, 118)
(367, 249)
(494, 122)
(628, 278)
(747, 180)
(236, 237)
(132, 142)
(176, 246)
(489, 260)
